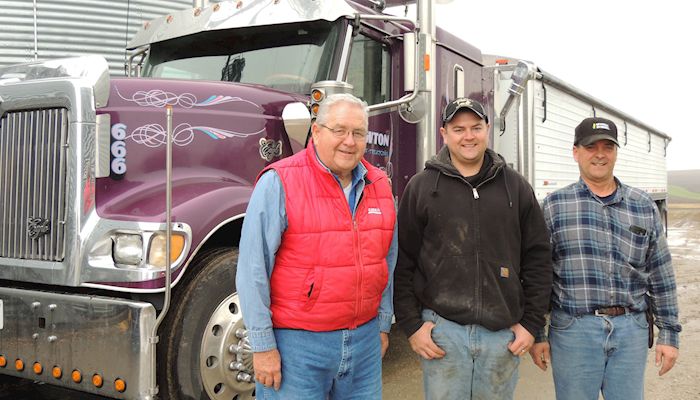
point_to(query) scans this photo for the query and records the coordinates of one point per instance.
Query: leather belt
(613, 311)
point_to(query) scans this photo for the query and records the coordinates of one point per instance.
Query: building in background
(48, 29)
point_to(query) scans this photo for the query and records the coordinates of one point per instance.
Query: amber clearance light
(119, 385)
(97, 380)
(37, 368)
(316, 95)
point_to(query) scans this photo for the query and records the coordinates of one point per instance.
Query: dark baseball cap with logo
(461, 103)
(593, 129)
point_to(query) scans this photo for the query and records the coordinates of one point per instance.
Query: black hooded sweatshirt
(475, 253)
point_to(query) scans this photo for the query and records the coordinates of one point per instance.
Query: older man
(316, 261)
(611, 264)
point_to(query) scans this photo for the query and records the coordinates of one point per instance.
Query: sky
(641, 57)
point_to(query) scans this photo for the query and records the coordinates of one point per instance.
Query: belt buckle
(598, 314)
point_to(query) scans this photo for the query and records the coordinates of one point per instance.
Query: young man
(316, 260)
(611, 264)
(474, 271)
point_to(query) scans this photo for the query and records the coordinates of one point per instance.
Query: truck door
(369, 72)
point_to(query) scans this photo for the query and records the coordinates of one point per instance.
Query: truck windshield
(287, 57)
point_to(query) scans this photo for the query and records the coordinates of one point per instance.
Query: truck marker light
(156, 251)
(119, 385)
(426, 62)
(316, 95)
(97, 380)
(314, 109)
(56, 372)
(38, 369)
(3, 362)
(502, 61)
(19, 365)
(76, 376)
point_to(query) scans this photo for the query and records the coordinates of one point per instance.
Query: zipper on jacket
(475, 193)
(477, 287)
(358, 270)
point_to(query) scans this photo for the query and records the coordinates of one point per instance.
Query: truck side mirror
(409, 61)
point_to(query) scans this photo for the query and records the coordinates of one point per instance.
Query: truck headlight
(127, 249)
(156, 249)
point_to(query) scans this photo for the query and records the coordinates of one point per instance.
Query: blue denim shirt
(264, 224)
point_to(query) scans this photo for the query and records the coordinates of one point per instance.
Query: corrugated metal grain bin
(50, 29)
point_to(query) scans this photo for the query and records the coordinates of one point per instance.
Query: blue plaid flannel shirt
(612, 254)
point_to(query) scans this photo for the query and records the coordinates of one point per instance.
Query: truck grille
(33, 182)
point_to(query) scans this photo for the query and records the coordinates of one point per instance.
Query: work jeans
(478, 364)
(335, 365)
(593, 353)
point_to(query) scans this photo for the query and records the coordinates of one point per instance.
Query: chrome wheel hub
(226, 358)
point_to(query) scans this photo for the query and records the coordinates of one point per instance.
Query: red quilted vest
(330, 270)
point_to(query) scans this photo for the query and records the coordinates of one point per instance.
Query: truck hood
(223, 135)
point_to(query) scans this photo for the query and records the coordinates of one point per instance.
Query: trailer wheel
(204, 352)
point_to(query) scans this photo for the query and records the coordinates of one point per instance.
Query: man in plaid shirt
(611, 264)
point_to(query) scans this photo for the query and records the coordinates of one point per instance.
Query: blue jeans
(592, 353)
(477, 363)
(342, 364)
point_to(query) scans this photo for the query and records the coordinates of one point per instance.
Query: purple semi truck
(122, 199)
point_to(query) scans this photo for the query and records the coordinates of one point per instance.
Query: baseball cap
(591, 130)
(461, 103)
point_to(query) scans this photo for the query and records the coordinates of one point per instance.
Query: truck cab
(124, 294)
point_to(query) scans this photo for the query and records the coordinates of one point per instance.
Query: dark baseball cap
(591, 130)
(463, 103)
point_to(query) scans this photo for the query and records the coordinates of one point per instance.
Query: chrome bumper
(89, 334)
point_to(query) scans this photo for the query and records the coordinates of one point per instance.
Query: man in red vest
(316, 262)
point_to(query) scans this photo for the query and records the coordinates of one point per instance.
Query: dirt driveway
(403, 378)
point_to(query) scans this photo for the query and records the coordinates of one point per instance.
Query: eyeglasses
(357, 135)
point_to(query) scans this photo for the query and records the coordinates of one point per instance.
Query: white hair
(333, 99)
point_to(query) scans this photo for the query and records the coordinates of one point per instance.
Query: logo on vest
(374, 210)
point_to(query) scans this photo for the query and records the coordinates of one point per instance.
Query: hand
(523, 340)
(384, 337)
(267, 366)
(422, 343)
(540, 355)
(666, 357)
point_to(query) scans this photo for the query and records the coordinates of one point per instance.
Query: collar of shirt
(357, 184)
(584, 190)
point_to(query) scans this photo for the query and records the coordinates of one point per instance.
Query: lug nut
(244, 377)
(236, 366)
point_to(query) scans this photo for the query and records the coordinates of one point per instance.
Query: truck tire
(204, 352)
